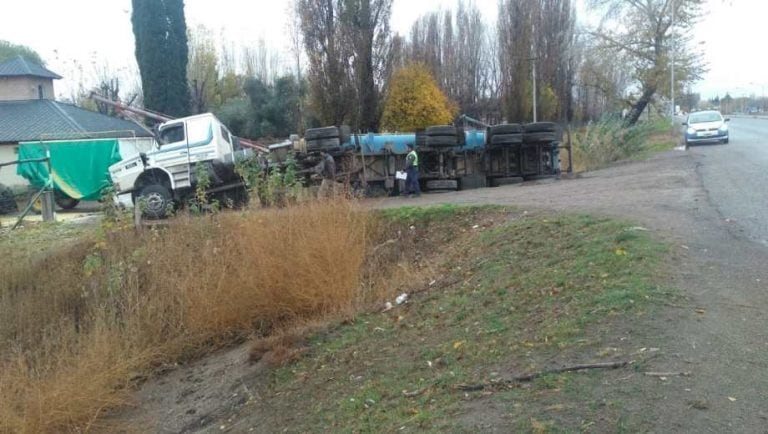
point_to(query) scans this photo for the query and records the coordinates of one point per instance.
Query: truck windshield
(172, 134)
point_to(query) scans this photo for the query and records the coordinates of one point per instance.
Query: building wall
(8, 176)
(21, 88)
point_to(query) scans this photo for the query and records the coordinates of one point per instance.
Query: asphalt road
(736, 176)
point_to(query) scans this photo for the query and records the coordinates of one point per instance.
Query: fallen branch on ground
(667, 374)
(529, 377)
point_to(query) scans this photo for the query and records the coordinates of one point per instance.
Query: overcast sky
(76, 36)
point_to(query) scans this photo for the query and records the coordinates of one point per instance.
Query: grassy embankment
(83, 323)
(599, 144)
(508, 297)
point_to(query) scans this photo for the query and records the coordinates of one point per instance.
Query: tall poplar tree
(161, 52)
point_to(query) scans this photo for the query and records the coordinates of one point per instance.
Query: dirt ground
(714, 333)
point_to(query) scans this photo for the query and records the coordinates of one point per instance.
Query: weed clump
(601, 143)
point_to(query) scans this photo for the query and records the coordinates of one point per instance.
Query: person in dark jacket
(328, 172)
(412, 171)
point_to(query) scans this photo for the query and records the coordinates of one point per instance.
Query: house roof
(42, 119)
(19, 67)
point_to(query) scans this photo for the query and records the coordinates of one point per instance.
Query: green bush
(601, 143)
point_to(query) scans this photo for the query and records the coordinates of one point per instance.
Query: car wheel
(725, 142)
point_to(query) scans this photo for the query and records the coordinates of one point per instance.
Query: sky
(79, 38)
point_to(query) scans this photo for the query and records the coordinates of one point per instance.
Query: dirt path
(717, 331)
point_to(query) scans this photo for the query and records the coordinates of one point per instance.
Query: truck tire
(322, 133)
(155, 200)
(7, 200)
(322, 144)
(442, 130)
(498, 182)
(540, 137)
(441, 141)
(442, 184)
(64, 201)
(345, 134)
(421, 138)
(540, 177)
(540, 127)
(506, 129)
(506, 139)
(471, 182)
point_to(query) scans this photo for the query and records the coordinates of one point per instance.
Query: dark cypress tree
(161, 52)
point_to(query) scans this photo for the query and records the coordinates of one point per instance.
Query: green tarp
(80, 168)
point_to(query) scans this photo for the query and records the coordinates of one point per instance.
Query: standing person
(412, 172)
(327, 169)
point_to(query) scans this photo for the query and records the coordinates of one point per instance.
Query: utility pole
(533, 62)
(672, 55)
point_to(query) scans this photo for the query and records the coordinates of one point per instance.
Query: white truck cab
(167, 174)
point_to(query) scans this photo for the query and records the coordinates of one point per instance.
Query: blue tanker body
(380, 144)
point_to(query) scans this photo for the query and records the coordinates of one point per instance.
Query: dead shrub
(80, 324)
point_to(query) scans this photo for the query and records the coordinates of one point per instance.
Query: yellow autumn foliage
(415, 101)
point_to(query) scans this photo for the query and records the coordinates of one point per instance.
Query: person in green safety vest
(412, 172)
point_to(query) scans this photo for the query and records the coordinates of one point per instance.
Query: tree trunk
(640, 105)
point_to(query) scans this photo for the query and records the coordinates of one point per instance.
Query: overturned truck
(451, 158)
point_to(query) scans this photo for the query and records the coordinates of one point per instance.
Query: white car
(706, 126)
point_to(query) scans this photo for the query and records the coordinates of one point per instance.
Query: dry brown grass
(78, 327)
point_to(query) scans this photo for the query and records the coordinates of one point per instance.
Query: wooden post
(137, 215)
(48, 206)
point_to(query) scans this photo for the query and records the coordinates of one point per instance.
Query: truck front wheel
(155, 201)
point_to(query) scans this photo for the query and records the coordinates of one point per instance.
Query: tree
(644, 31)
(415, 101)
(162, 54)
(202, 70)
(331, 87)
(8, 50)
(540, 31)
(366, 27)
(601, 81)
(347, 46)
(458, 50)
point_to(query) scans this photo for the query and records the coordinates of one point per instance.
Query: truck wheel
(155, 200)
(322, 133)
(539, 137)
(441, 141)
(323, 144)
(442, 184)
(504, 129)
(506, 139)
(540, 127)
(442, 130)
(512, 180)
(7, 200)
(64, 201)
(539, 177)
